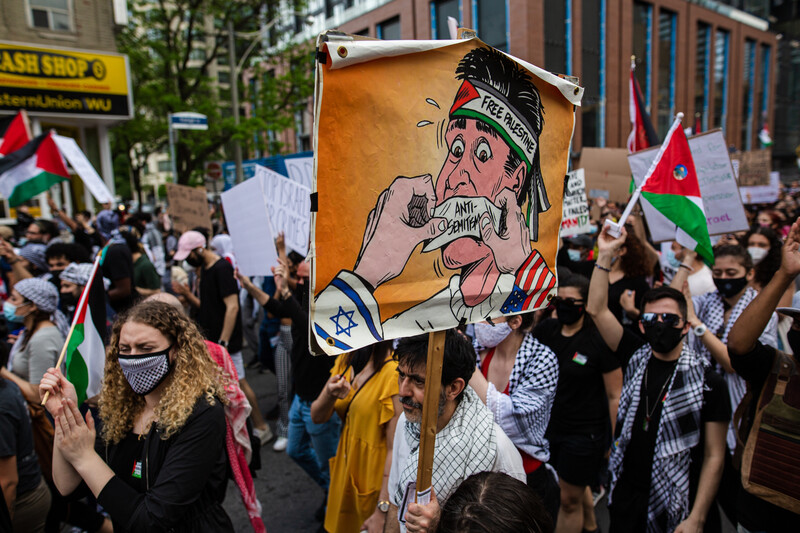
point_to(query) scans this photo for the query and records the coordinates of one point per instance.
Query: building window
(51, 14)
(389, 30)
(490, 19)
(643, 48)
(329, 8)
(556, 36)
(748, 87)
(701, 75)
(224, 76)
(762, 99)
(165, 165)
(721, 45)
(440, 10)
(665, 103)
(592, 71)
(197, 54)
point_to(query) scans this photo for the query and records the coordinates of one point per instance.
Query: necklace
(647, 411)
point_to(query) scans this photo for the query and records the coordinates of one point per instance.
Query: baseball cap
(188, 242)
(582, 240)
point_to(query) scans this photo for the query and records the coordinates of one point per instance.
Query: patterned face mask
(145, 372)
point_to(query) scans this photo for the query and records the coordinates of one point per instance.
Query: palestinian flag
(31, 170)
(643, 135)
(86, 353)
(15, 132)
(671, 187)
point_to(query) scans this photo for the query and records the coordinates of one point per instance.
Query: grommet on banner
(342, 51)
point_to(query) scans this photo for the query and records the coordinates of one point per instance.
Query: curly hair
(194, 374)
(634, 261)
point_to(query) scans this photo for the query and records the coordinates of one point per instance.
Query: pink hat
(189, 241)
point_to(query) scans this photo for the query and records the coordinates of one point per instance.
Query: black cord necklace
(647, 411)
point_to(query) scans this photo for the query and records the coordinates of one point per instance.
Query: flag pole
(81, 303)
(615, 228)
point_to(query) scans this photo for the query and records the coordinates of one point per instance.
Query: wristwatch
(222, 343)
(700, 330)
(383, 506)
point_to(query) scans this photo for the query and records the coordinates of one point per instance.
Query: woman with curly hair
(160, 462)
(628, 282)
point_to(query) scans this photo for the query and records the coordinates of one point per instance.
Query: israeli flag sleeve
(346, 315)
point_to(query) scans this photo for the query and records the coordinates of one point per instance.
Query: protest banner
(607, 173)
(754, 167)
(289, 207)
(300, 170)
(575, 217)
(762, 194)
(188, 207)
(249, 226)
(715, 175)
(83, 168)
(401, 245)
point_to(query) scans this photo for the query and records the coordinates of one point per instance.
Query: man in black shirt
(754, 362)
(673, 413)
(117, 267)
(217, 311)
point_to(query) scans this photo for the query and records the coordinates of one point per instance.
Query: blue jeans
(312, 445)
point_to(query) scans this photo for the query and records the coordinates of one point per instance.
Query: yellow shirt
(357, 468)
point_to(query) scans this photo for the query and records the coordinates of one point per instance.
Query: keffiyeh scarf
(465, 446)
(679, 431)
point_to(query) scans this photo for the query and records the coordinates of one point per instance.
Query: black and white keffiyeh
(679, 430)
(710, 309)
(465, 446)
(525, 413)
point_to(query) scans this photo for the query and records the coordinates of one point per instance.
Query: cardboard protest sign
(715, 175)
(250, 229)
(188, 207)
(607, 173)
(289, 207)
(754, 167)
(300, 170)
(763, 194)
(83, 168)
(439, 180)
(575, 217)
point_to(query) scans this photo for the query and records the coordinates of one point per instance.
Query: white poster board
(289, 207)
(718, 187)
(83, 168)
(763, 194)
(575, 213)
(249, 227)
(300, 170)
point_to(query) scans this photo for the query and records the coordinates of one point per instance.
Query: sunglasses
(669, 319)
(568, 301)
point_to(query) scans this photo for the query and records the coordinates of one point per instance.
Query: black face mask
(68, 300)
(194, 260)
(730, 287)
(568, 313)
(793, 336)
(662, 338)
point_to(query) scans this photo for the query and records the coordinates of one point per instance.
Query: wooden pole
(430, 414)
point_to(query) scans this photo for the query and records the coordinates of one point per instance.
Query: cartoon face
(475, 166)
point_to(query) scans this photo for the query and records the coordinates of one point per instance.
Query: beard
(415, 417)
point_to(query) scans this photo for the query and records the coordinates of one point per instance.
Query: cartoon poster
(439, 173)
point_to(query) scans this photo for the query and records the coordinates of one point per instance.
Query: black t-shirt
(216, 283)
(16, 438)
(754, 513)
(580, 405)
(118, 265)
(130, 451)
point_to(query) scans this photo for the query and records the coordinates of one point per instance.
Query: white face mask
(757, 253)
(489, 336)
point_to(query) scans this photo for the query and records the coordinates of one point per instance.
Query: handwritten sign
(83, 168)
(289, 207)
(249, 226)
(575, 211)
(763, 194)
(300, 170)
(463, 216)
(607, 173)
(754, 167)
(188, 207)
(718, 188)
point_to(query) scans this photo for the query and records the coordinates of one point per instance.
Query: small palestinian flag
(15, 132)
(31, 170)
(672, 189)
(643, 135)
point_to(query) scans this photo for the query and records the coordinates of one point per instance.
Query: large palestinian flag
(673, 190)
(31, 170)
(15, 132)
(86, 354)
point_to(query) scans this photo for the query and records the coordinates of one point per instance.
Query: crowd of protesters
(641, 382)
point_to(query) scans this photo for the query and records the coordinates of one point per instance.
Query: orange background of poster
(368, 135)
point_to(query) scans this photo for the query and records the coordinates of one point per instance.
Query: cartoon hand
(400, 221)
(513, 246)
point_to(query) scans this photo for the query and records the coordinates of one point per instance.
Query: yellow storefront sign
(56, 80)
